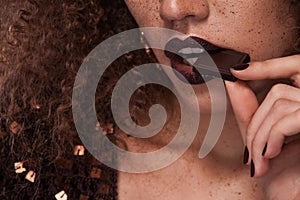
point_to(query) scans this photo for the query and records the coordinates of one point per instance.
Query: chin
(202, 93)
(204, 96)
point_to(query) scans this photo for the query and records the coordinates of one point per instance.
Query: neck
(228, 147)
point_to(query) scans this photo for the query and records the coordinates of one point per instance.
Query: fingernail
(246, 155)
(240, 67)
(252, 169)
(265, 149)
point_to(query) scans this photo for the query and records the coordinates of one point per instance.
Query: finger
(278, 68)
(279, 110)
(287, 126)
(279, 91)
(261, 165)
(244, 104)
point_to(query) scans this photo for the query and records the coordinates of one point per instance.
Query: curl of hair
(43, 46)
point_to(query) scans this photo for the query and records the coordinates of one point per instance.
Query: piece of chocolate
(224, 60)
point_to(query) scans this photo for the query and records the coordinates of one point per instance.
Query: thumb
(244, 104)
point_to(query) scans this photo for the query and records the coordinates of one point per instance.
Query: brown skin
(45, 78)
(260, 29)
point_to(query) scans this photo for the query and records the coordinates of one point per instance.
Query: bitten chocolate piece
(224, 60)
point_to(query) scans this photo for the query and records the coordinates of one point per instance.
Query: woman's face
(263, 29)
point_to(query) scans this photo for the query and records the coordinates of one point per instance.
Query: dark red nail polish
(240, 67)
(265, 149)
(246, 155)
(252, 169)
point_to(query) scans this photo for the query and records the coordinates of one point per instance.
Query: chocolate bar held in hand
(224, 60)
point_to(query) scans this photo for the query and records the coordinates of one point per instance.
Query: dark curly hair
(42, 47)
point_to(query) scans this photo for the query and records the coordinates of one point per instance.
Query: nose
(177, 10)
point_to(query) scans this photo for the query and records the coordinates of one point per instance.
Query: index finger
(278, 68)
(244, 104)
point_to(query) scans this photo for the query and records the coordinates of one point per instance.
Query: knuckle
(280, 105)
(277, 91)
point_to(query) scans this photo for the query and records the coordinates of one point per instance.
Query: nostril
(178, 10)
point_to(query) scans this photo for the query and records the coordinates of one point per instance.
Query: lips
(185, 55)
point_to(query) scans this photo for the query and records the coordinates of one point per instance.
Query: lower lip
(190, 75)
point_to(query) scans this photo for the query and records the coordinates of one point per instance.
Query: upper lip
(187, 52)
(175, 45)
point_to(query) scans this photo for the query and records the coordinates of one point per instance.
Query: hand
(265, 127)
(282, 181)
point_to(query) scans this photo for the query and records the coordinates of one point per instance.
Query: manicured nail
(252, 169)
(265, 149)
(246, 155)
(240, 67)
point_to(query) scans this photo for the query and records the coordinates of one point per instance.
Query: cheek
(146, 13)
(260, 28)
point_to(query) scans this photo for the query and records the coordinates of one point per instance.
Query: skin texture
(274, 123)
(264, 30)
(224, 23)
